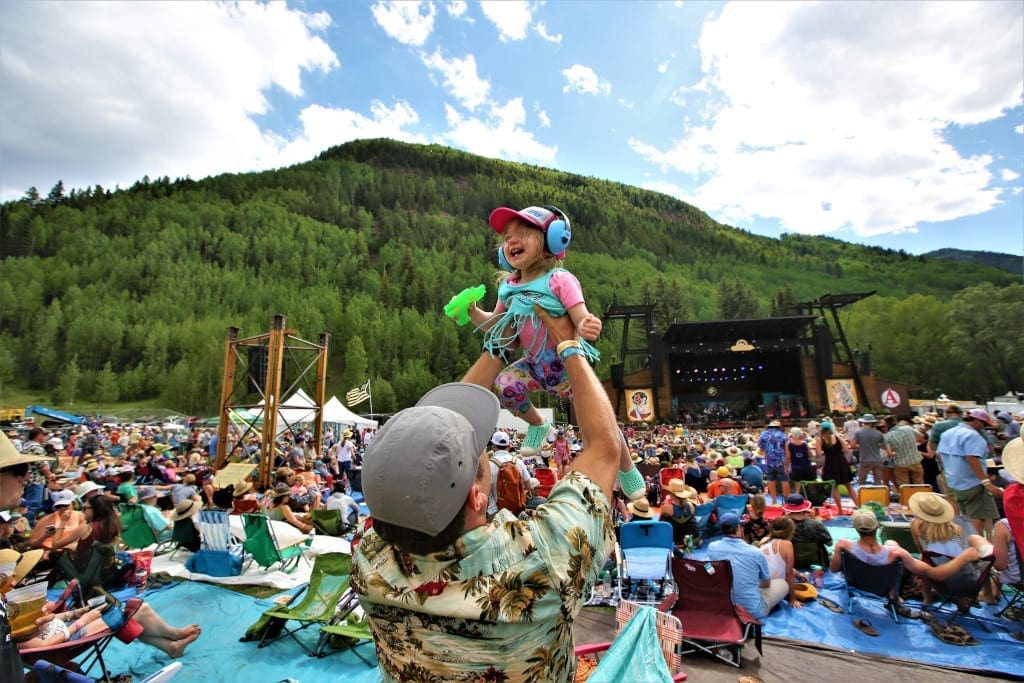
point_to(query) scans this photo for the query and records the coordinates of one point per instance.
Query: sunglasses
(17, 470)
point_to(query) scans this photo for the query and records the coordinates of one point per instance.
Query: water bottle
(604, 583)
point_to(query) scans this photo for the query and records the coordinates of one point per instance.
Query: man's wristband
(570, 347)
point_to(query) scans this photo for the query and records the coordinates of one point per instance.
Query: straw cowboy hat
(774, 423)
(640, 508)
(1013, 459)
(804, 591)
(185, 509)
(23, 562)
(678, 489)
(931, 507)
(241, 489)
(9, 455)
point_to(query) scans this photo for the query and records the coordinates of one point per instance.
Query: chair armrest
(591, 648)
(668, 602)
(744, 615)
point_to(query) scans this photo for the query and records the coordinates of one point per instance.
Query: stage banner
(640, 405)
(842, 395)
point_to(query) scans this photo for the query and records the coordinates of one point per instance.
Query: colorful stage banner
(842, 395)
(641, 402)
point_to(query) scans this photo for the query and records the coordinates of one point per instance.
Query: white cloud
(146, 88)
(583, 79)
(500, 134)
(457, 9)
(408, 22)
(1019, 129)
(511, 17)
(1009, 175)
(626, 103)
(832, 115)
(542, 31)
(460, 78)
(545, 121)
(324, 127)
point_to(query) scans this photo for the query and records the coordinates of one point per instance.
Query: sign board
(842, 395)
(891, 399)
(640, 405)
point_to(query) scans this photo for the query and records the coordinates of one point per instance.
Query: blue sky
(898, 124)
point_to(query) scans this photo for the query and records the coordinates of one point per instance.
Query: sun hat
(775, 423)
(434, 447)
(868, 418)
(160, 447)
(732, 450)
(931, 507)
(825, 424)
(85, 489)
(981, 414)
(243, 488)
(9, 455)
(347, 434)
(1013, 459)
(804, 591)
(146, 492)
(64, 497)
(23, 562)
(678, 489)
(724, 472)
(636, 458)
(730, 520)
(640, 508)
(185, 509)
(280, 490)
(499, 439)
(796, 503)
(864, 520)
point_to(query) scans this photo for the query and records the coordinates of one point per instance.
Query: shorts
(803, 474)
(977, 503)
(777, 473)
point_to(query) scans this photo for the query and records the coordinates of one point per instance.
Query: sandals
(865, 627)
(828, 604)
(953, 634)
(902, 610)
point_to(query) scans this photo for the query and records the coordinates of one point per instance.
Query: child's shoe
(536, 437)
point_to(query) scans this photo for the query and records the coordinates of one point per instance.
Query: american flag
(357, 395)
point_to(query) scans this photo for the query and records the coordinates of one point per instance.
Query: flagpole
(369, 391)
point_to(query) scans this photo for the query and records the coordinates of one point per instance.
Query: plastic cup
(25, 605)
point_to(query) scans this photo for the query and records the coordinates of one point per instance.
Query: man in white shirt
(500, 456)
(339, 500)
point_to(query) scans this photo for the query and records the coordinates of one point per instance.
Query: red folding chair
(548, 477)
(666, 474)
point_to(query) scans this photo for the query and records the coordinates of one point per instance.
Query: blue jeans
(33, 495)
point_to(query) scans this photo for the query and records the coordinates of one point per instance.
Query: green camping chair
(262, 545)
(88, 571)
(185, 536)
(330, 522)
(818, 492)
(327, 582)
(346, 630)
(136, 532)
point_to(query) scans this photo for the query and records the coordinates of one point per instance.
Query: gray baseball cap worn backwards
(421, 464)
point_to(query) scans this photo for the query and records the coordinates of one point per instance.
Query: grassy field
(16, 397)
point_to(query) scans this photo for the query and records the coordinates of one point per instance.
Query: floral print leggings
(542, 372)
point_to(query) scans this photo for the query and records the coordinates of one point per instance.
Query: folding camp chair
(241, 506)
(634, 654)
(908, 490)
(702, 515)
(47, 672)
(667, 474)
(261, 543)
(808, 553)
(870, 493)
(818, 492)
(882, 581)
(345, 627)
(548, 477)
(136, 532)
(643, 560)
(1016, 597)
(734, 504)
(899, 532)
(185, 536)
(220, 554)
(328, 580)
(331, 522)
(708, 619)
(955, 591)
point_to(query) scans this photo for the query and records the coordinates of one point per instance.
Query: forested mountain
(1008, 262)
(126, 294)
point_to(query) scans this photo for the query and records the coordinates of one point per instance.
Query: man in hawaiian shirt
(772, 443)
(452, 597)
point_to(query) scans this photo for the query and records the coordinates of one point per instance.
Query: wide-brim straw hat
(185, 509)
(678, 489)
(23, 562)
(804, 591)
(9, 455)
(931, 507)
(241, 489)
(1013, 459)
(641, 508)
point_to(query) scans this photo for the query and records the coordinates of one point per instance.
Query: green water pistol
(458, 308)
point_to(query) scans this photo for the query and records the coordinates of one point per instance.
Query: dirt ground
(785, 661)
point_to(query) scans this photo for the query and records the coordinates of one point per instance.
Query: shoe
(865, 627)
(828, 604)
(903, 610)
(536, 437)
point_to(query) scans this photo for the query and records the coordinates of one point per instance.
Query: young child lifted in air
(534, 242)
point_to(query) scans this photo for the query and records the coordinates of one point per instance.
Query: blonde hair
(550, 260)
(939, 532)
(783, 527)
(758, 504)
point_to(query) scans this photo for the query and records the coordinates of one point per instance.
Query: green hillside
(126, 295)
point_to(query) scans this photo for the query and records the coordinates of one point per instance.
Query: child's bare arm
(588, 326)
(481, 318)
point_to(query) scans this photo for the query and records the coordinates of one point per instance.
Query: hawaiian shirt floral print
(499, 604)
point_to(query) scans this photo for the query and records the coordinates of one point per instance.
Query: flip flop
(864, 626)
(927, 617)
(953, 635)
(828, 604)
(904, 611)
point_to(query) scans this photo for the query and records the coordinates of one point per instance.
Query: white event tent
(336, 412)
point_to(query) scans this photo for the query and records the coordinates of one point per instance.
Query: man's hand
(560, 329)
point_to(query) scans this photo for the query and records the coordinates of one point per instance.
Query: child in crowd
(755, 527)
(533, 246)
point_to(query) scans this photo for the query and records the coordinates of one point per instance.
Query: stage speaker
(657, 359)
(617, 370)
(823, 350)
(865, 363)
(257, 368)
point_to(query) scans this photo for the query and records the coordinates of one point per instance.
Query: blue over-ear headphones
(557, 233)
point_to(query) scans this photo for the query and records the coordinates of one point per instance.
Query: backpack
(508, 487)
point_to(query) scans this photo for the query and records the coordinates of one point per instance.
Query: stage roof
(751, 329)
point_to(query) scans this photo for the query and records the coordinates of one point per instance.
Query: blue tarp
(55, 415)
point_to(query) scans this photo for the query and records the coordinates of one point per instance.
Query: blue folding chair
(734, 504)
(702, 515)
(643, 558)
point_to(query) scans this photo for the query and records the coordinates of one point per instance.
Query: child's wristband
(632, 483)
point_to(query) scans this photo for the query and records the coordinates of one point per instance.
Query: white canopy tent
(336, 412)
(294, 410)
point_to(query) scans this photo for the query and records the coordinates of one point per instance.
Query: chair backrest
(328, 580)
(215, 529)
(259, 539)
(818, 491)
(701, 590)
(185, 535)
(807, 553)
(881, 580)
(737, 504)
(666, 474)
(240, 506)
(702, 515)
(135, 530)
(870, 493)
(646, 534)
(328, 522)
(957, 589)
(907, 490)
(548, 477)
